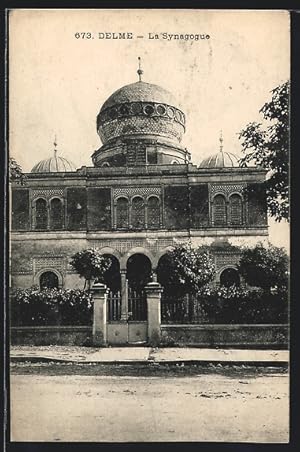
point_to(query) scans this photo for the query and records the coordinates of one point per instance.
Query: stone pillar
(124, 294)
(153, 291)
(99, 292)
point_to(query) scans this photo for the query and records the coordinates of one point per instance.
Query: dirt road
(204, 407)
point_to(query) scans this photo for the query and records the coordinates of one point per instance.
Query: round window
(177, 115)
(170, 112)
(149, 110)
(124, 110)
(113, 113)
(136, 108)
(161, 110)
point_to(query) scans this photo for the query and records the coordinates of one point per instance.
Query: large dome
(54, 164)
(138, 110)
(220, 160)
(140, 92)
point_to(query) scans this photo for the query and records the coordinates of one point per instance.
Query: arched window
(219, 211)
(138, 213)
(122, 213)
(235, 209)
(41, 214)
(229, 277)
(56, 214)
(48, 280)
(153, 211)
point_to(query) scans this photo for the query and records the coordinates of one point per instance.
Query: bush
(90, 264)
(50, 307)
(265, 267)
(234, 305)
(185, 269)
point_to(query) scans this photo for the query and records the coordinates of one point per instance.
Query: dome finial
(55, 144)
(140, 71)
(221, 141)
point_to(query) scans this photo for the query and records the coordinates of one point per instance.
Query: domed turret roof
(55, 164)
(141, 109)
(220, 160)
(140, 92)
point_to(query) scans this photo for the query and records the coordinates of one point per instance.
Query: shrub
(50, 307)
(265, 267)
(186, 269)
(235, 305)
(90, 264)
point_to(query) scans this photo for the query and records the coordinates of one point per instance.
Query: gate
(127, 317)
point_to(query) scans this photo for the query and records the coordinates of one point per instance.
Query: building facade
(142, 196)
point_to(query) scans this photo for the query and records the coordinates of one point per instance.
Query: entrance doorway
(138, 271)
(127, 303)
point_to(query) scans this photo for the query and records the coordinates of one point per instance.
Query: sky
(58, 82)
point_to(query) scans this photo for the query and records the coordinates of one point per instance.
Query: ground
(99, 403)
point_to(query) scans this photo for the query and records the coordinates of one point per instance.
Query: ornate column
(153, 291)
(48, 214)
(124, 294)
(154, 275)
(99, 292)
(227, 212)
(115, 214)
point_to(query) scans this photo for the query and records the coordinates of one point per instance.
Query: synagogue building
(141, 196)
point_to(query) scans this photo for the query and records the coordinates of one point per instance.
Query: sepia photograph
(148, 191)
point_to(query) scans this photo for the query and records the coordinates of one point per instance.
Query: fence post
(124, 294)
(153, 292)
(99, 292)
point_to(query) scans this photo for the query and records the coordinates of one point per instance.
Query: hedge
(241, 306)
(50, 307)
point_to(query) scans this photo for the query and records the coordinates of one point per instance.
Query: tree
(267, 145)
(90, 264)
(15, 171)
(186, 270)
(267, 268)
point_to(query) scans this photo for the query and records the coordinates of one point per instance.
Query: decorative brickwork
(21, 265)
(226, 258)
(123, 246)
(124, 110)
(45, 262)
(226, 189)
(46, 193)
(142, 126)
(227, 204)
(129, 192)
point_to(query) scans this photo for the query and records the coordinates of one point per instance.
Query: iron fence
(114, 303)
(137, 305)
(185, 309)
